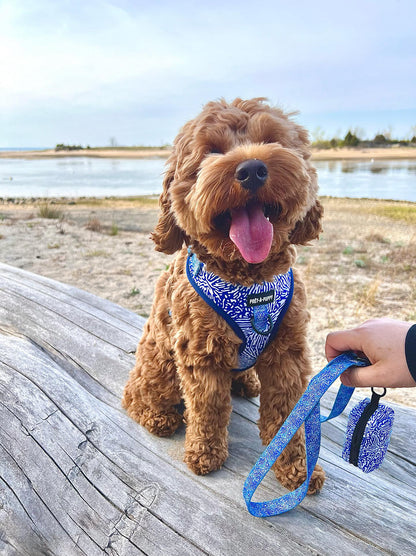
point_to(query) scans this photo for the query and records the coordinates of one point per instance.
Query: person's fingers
(354, 377)
(372, 375)
(338, 342)
(381, 374)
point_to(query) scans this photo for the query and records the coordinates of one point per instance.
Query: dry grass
(94, 225)
(368, 296)
(395, 211)
(366, 257)
(139, 201)
(46, 210)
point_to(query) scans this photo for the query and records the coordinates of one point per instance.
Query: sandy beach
(356, 153)
(363, 266)
(126, 152)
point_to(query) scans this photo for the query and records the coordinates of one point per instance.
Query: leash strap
(307, 411)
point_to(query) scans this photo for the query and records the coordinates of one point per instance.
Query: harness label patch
(255, 299)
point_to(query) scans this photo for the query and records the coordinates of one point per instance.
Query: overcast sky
(91, 70)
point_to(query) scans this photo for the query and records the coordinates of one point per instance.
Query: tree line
(351, 139)
(63, 147)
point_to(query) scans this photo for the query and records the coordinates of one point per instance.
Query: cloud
(160, 61)
(62, 59)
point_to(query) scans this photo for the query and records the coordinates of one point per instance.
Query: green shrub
(380, 139)
(350, 140)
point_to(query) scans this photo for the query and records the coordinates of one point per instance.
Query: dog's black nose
(251, 174)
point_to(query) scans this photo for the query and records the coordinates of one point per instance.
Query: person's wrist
(410, 350)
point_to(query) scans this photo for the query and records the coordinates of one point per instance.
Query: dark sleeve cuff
(410, 350)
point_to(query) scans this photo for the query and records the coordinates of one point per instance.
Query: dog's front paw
(162, 423)
(204, 458)
(294, 475)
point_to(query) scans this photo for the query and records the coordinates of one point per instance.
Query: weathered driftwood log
(77, 476)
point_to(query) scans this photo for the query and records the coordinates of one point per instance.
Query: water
(380, 179)
(80, 177)
(101, 177)
(22, 149)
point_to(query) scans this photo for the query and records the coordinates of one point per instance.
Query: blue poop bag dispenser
(366, 440)
(368, 433)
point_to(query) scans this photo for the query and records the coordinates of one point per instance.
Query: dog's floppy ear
(309, 227)
(167, 235)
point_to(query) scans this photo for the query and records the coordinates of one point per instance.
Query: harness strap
(307, 411)
(254, 313)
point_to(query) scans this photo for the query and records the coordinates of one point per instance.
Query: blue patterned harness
(254, 313)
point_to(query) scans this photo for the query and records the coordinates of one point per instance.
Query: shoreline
(151, 201)
(127, 152)
(357, 153)
(390, 153)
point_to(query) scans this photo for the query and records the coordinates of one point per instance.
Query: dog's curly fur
(187, 350)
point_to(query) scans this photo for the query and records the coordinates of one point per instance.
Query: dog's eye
(215, 150)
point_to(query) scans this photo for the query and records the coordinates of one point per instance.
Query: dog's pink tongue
(251, 232)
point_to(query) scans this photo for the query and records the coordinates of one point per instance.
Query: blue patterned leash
(306, 410)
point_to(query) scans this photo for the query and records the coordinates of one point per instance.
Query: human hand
(382, 341)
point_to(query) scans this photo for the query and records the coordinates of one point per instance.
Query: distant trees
(62, 147)
(352, 139)
(380, 139)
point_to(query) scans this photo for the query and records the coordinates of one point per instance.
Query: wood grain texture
(77, 476)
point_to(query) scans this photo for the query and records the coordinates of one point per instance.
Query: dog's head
(239, 185)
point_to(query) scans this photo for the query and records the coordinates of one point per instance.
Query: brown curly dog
(240, 191)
